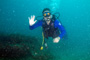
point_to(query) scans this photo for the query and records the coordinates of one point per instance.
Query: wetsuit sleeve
(61, 28)
(37, 24)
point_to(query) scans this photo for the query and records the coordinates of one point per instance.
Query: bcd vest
(50, 30)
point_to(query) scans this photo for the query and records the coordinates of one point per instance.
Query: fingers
(33, 17)
(35, 21)
(31, 20)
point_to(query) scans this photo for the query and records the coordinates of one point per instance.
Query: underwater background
(18, 42)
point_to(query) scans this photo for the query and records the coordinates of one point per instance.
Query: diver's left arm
(61, 28)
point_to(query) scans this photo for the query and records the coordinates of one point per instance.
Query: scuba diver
(50, 25)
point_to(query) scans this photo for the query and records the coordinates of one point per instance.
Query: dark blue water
(74, 16)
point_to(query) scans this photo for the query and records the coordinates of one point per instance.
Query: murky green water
(74, 16)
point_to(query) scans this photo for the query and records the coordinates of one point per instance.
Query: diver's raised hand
(31, 21)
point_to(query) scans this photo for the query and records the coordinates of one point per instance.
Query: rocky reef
(20, 47)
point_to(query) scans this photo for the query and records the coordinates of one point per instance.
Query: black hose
(55, 14)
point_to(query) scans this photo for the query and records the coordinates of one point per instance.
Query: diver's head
(47, 14)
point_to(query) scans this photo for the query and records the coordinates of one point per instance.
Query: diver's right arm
(34, 24)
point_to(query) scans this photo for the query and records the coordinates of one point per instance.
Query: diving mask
(46, 14)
